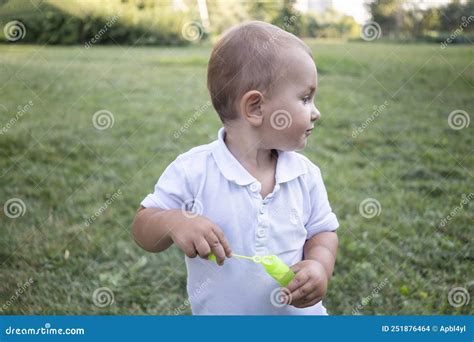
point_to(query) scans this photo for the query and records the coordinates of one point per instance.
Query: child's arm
(146, 229)
(155, 230)
(314, 272)
(323, 248)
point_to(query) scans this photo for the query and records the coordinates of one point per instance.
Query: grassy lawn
(64, 170)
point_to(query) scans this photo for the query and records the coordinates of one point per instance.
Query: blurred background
(160, 22)
(98, 97)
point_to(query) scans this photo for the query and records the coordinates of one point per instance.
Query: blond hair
(247, 57)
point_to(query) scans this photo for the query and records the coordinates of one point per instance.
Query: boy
(248, 191)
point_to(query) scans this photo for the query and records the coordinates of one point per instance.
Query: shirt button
(261, 233)
(254, 187)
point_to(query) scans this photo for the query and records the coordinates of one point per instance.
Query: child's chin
(295, 146)
(300, 147)
(291, 149)
(302, 144)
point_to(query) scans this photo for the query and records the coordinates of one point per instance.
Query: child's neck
(249, 152)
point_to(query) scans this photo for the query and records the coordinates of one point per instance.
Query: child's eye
(306, 99)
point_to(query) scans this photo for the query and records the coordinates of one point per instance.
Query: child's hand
(309, 284)
(199, 236)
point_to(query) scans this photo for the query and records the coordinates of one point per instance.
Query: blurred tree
(224, 14)
(288, 18)
(312, 26)
(161, 22)
(347, 26)
(388, 14)
(431, 19)
(93, 22)
(453, 13)
(262, 10)
(330, 24)
(412, 22)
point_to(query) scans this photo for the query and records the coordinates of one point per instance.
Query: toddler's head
(262, 80)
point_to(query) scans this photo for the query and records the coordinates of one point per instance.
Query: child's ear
(250, 107)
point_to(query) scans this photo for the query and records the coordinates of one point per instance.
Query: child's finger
(216, 248)
(304, 303)
(225, 244)
(297, 267)
(203, 248)
(312, 296)
(189, 250)
(220, 253)
(299, 280)
(301, 293)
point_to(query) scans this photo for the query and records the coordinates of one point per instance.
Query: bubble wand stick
(274, 266)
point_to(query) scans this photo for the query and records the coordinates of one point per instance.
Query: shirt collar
(289, 165)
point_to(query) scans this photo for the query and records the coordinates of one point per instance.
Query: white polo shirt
(208, 180)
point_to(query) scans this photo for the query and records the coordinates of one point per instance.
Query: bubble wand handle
(273, 265)
(278, 270)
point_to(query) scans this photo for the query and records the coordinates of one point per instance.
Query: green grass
(63, 169)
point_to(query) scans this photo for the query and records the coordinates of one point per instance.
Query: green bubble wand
(274, 266)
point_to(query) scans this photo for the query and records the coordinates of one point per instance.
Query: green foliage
(452, 14)
(408, 20)
(387, 13)
(151, 22)
(86, 22)
(289, 19)
(330, 24)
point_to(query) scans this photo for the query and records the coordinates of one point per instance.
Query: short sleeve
(321, 218)
(171, 190)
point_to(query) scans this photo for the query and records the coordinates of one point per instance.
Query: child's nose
(315, 114)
